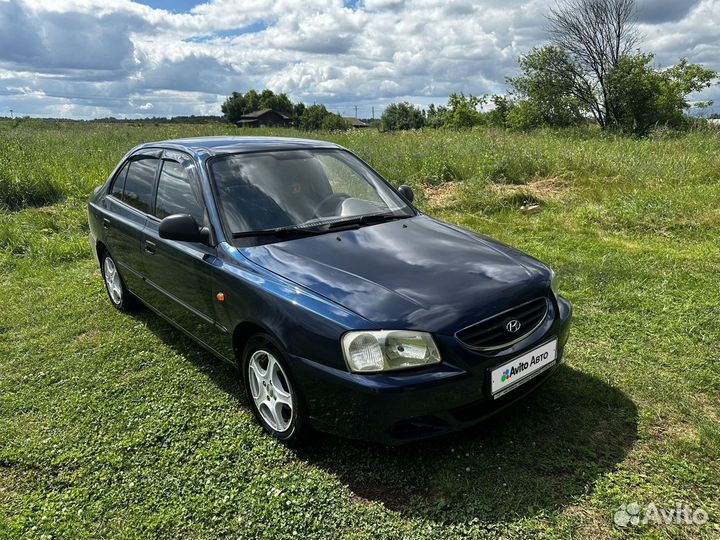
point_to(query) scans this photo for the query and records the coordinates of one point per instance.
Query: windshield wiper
(300, 231)
(278, 231)
(363, 220)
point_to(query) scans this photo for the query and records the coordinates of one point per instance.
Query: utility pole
(355, 111)
(373, 112)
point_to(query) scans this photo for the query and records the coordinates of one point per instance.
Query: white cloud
(92, 57)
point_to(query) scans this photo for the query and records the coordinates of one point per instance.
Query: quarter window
(176, 193)
(119, 183)
(139, 183)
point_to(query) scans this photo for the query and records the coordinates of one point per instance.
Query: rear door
(129, 201)
(180, 273)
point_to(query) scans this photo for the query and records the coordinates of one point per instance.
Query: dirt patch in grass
(708, 407)
(592, 524)
(544, 189)
(676, 431)
(444, 195)
(89, 335)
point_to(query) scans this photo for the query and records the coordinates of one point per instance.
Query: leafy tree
(277, 102)
(252, 101)
(312, 117)
(238, 104)
(463, 111)
(298, 110)
(334, 122)
(593, 36)
(553, 87)
(234, 107)
(317, 117)
(498, 115)
(436, 117)
(524, 115)
(644, 96)
(397, 116)
(590, 69)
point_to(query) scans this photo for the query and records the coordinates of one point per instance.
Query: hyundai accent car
(345, 308)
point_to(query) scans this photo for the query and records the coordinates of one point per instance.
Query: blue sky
(177, 6)
(95, 58)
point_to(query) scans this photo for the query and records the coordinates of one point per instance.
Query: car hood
(416, 273)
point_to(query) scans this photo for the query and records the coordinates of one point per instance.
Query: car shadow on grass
(533, 457)
(223, 374)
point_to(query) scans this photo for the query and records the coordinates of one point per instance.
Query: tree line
(592, 70)
(312, 117)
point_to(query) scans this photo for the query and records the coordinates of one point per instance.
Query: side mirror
(183, 228)
(407, 192)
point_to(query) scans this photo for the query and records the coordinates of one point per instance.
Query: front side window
(299, 188)
(177, 193)
(139, 183)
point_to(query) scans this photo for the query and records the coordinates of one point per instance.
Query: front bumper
(393, 408)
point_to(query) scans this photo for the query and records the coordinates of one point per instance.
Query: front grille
(492, 333)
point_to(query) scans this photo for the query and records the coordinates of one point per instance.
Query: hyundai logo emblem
(513, 326)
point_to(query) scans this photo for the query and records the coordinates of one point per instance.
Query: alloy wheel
(271, 390)
(112, 280)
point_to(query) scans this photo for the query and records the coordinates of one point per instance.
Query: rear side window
(177, 193)
(119, 182)
(139, 183)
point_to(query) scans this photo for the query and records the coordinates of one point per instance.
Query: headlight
(387, 350)
(553, 282)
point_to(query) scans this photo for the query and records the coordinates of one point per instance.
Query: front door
(179, 274)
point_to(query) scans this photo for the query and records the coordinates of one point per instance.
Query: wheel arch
(100, 250)
(243, 331)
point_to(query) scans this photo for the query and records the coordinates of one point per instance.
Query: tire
(121, 299)
(273, 395)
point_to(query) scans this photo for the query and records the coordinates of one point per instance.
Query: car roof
(231, 145)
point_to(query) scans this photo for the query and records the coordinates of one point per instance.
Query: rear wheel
(120, 297)
(274, 398)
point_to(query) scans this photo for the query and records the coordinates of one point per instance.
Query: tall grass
(666, 184)
(42, 162)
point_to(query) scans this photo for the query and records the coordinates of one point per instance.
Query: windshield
(299, 188)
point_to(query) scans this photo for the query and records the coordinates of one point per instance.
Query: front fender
(306, 324)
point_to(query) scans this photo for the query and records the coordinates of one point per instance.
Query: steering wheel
(329, 205)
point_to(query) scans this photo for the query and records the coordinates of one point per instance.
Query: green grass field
(117, 426)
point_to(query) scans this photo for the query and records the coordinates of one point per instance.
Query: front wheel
(274, 398)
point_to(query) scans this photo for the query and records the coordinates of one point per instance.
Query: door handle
(106, 223)
(149, 247)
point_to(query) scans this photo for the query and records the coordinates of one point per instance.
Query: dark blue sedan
(345, 308)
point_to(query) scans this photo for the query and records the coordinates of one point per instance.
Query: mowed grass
(117, 426)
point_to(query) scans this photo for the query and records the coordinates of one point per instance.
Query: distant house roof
(257, 114)
(354, 122)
